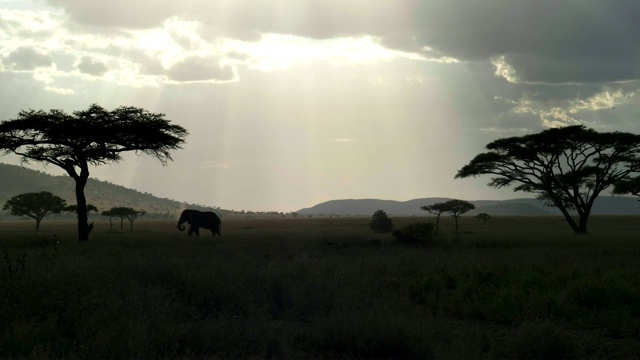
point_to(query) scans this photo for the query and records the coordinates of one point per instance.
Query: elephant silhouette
(200, 219)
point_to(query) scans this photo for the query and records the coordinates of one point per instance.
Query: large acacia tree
(89, 137)
(567, 167)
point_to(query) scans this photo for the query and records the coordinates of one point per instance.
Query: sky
(290, 103)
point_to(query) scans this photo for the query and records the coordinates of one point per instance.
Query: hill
(15, 180)
(604, 205)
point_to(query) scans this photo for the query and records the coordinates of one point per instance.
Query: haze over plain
(291, 103)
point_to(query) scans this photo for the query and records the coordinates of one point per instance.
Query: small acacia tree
(567, 167)
(110, 215)
(457, 207)
(132, 214)
(380, 222)
(484, 217)
(90, 137)
(123, 213)
(437, 209)
(35, 205)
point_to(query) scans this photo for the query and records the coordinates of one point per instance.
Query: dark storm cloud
(543, 40)
(27, 58)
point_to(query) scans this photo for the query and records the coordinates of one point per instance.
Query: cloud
(198, 69)
(61, 91)
(563, 112)
(545, 41)
(27, 58)
(608, 98)
(578, 48)
(91, 66)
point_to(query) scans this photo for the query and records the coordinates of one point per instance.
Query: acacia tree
(437, 209)
(35, 205)
(457, 207)
(484, 217)
(89, 137)
(123, 213)
(131, 215)
(567, 167)
(110, 215)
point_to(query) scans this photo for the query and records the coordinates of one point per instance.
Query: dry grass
(518, 287)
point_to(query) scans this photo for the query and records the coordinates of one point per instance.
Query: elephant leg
(193, 229)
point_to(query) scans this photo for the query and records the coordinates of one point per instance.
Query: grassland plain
(309, 288)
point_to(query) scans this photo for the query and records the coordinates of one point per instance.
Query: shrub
(421, 232)
(380, 222)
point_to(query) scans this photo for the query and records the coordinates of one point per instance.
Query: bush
(380, 222)
(422, 232)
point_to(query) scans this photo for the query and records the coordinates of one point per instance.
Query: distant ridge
(604, 205)
(15, 180)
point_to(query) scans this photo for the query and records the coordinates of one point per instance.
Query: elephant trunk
(184, 217)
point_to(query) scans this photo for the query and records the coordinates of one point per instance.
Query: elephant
(199, 219)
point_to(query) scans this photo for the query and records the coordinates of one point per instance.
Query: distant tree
(484, 217)
(567, 167)
(132, 215)
(457, 207)
(123, 213)
(437, 209)
(380, 222)
(110, 215)
(90, 137)
(35, 205)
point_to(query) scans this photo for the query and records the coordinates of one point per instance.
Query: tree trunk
(580, 228)
(83, 226)
(81, 201)
(37, 224)
(582, 224)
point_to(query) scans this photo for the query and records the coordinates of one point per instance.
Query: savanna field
(322, 288)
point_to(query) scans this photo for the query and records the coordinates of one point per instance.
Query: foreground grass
(319, 288)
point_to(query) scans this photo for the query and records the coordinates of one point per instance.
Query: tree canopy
(568, 167)
(35, 205)
(628, 186)
(89, 137)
